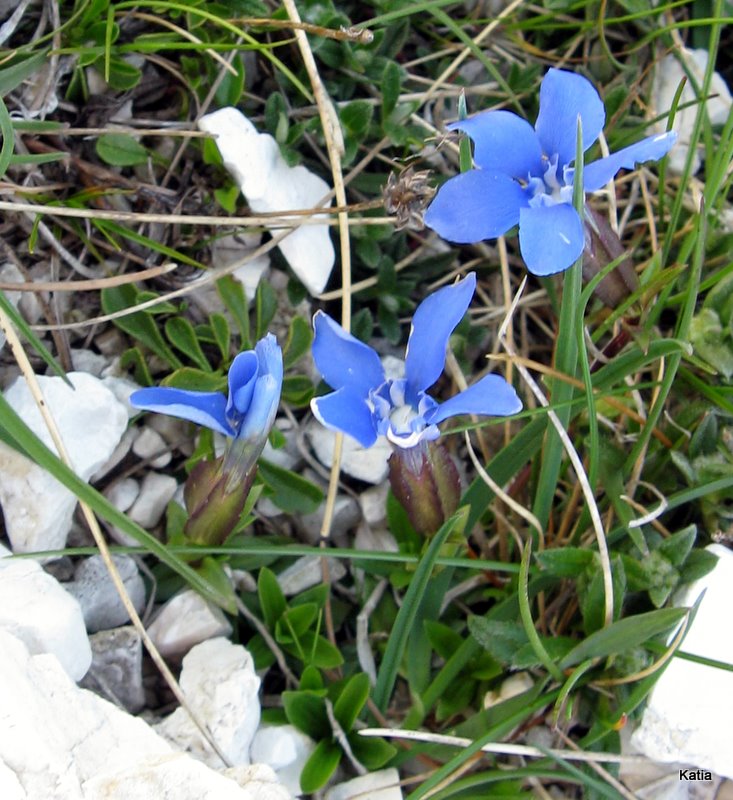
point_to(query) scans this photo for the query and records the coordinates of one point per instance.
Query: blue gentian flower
(523, 175)
(366, 404)
(246, 415)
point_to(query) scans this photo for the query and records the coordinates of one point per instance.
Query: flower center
(401, 422)
(551, 189)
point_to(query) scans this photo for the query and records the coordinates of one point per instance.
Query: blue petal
(432, 324)
(203, 408)
(550, 238)
(599, 173)
(475, 205)
(347, 412)
(491, 396)
(343, 360)
(262, 409)
(564, 96)
(504, 142)
(242, 377)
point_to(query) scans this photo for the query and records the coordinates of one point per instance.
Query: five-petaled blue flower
(366, 404)
(246, 415)
(523, 174)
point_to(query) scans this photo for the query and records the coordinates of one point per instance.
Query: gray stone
(116, 670)
(93, 588)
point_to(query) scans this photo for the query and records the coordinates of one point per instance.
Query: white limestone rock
(53, 735)
(100, 603)
(270, 185)
(10, 787)
(175, 776)
(259, 782)
(373, 504)
(122, 494)
(687, 718)
(156, 492)
(116, 670)
(37, 508)
(381, 785)
(36, 610)
(150, 444)
(306, 572)
(58, 741)
(667, 79)
(285, 749)
(185, 621)
(221, 686)
(367, 464)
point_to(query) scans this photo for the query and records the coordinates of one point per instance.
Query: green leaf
(265, 308)
(183, 337)
(212, 571)
(356, 116)
(565, 562)
(294, 622)
(138, 324)
(8, 137)
(410, 607)
(557, 647)
(624, 635)
(11, 77)
(232, 295)
(502, 640)
(444, 640)
(290, 492)
(311, 678)
(319, 652)
(297, 390)
(678, 546)
(122, 75)
(221, 332)
(373, 753)
(195, 380)
(698, 564)
(390, 84)
(120, 150)
(320, 766)
(272, 599)
(307, 711)
(351, 700)
(300, 336)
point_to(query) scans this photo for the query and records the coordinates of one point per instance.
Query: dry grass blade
(88, 284)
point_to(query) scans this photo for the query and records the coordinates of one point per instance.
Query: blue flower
(366, 404)
(246, 415)
(523, 174)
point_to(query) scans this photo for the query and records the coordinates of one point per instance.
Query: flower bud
(602, 246)
(213, 506)
(425, 481)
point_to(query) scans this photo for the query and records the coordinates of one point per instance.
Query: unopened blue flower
(523, 174)
(366, 404)
(246, 415)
